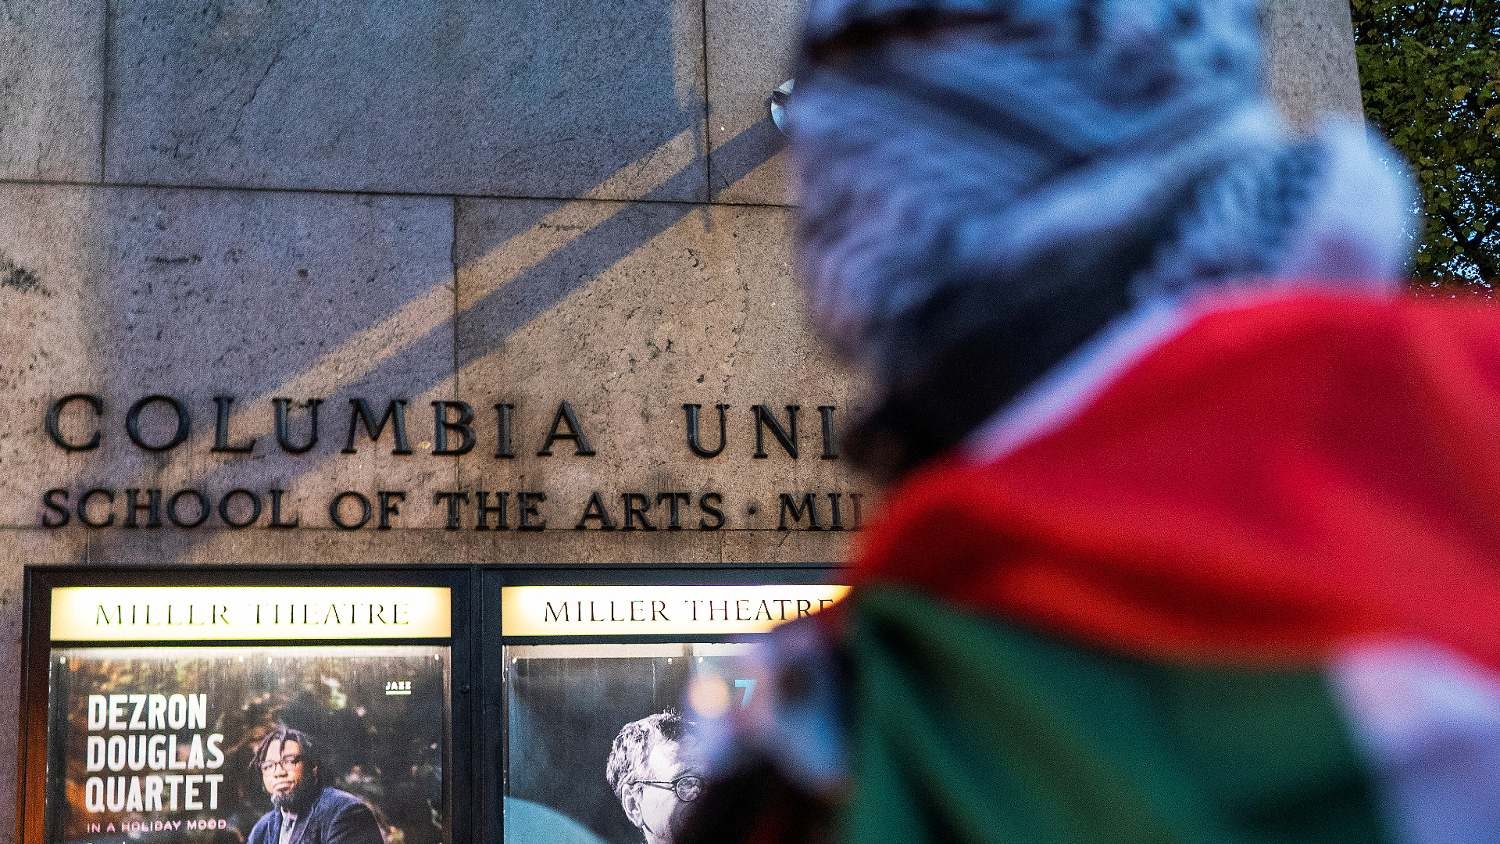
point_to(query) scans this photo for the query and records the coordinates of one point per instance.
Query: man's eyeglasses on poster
(285, 763)
(687, 788)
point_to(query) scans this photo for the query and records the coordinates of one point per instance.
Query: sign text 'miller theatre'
(208, 613)
(658, 610)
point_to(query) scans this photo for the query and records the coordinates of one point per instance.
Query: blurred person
(652, 773)
(303, 810)
(1190, 531)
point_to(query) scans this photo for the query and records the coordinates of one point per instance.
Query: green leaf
(1430, 80)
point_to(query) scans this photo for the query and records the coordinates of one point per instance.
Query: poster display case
(415, 705)
(602, 676)
(216, 707)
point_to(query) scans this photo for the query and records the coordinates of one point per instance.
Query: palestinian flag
(1246, 588)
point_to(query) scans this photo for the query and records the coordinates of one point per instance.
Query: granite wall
(573, 210)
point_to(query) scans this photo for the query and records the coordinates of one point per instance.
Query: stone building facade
(547, 243)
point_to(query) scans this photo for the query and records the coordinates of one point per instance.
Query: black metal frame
(493, 714)
(40, 581)
(475, 787)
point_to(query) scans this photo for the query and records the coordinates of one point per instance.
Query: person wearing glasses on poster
(303, 810)
(650, 769)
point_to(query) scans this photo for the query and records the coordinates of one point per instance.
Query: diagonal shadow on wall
(424, 364)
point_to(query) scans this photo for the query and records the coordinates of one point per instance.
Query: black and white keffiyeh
(985, 184)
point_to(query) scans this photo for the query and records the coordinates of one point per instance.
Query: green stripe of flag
(967, 729)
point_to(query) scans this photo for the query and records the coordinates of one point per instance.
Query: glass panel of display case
(180, 743)
(598, 748)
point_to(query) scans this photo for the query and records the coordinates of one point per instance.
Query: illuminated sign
(233, 613)
(657, 610)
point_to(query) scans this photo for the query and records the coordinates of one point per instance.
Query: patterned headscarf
(985, 184)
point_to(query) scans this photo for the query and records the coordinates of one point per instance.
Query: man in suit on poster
(303, 810)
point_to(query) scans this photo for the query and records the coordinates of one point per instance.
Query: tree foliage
(1430, 70)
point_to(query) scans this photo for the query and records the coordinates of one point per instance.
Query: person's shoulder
(347, 818)
(336, 799)
(258, 831)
